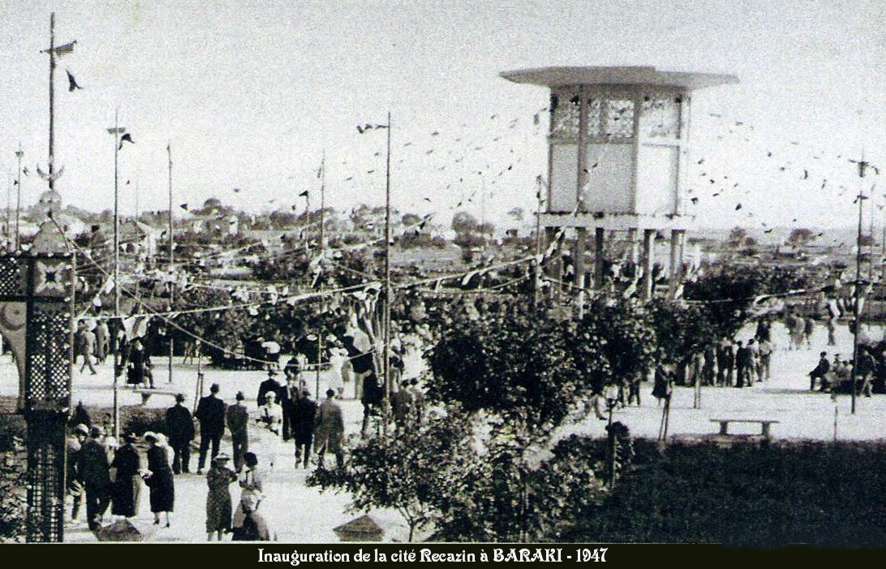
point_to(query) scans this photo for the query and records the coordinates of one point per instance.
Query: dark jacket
(726, 357)
(238, 421)
(822, 368)
(179, 425)
(93, 464)
(305, 414)
(211, 414)
(267, 385)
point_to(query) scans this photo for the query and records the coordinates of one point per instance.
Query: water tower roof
(627, 75)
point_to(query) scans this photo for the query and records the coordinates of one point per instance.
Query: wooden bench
(764, 423)
(146, 393)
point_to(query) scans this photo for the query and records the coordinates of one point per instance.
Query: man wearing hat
(93, 462)
(75, 489)
(330, 430)
(269, 385)
(180, 426)
(211, 414)
(237, 417)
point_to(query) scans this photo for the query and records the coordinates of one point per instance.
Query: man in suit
(180, 427)
(93, 462)
(742, 363)
(211, 414)
(820, 372)
(303, 426)
(330, 430)
(270, 384)
(238, 423)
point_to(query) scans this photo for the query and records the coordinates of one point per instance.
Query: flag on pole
(367, 127)
(65, 49)
(125, 138)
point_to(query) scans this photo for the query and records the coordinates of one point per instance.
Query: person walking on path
(330, 430)
(743, 363)
(218, 499)
(808, 330)
(87, 341)
(237, 417)
(305, 414)
(126, 495)
(102, 341)
(764, 353)
(159, 478)
(93, 464)
(832, 332)
(270, 385)
(211, 414)
(270, 421)
(180, 426)
(725, 363)
(75, 441)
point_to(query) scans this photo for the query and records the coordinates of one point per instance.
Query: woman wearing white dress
(337, 358)
(270, 422)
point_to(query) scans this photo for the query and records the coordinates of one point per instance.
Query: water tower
(619, 138)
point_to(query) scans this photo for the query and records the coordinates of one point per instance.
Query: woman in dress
(126, 490)
(218, 500)
(160, 481)
(270, 421)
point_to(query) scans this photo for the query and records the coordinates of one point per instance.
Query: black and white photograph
(416, 274)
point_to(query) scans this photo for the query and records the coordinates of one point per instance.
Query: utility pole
(169, 230)
(51, 101)
(18, 198)
(322, 199)
(862, 166)
(117, 130)
(536, 265)
(387, 305)
(8, 231)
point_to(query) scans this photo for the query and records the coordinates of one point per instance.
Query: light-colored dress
(270, 424)
(251, 487)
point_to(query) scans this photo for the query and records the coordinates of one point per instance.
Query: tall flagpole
(322, 197)
(387, 305)
(169, 230)
(862, 166)
(116, 131)
(18, 198)
(51, 100)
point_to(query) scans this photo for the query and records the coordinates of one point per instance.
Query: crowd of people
(111, 474)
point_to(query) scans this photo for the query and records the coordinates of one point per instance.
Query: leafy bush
(824, 494)
(140, 420)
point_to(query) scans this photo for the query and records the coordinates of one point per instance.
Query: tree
(800, 236)
(517, 213)
(737, 237)
(464, 222)
(406, 472)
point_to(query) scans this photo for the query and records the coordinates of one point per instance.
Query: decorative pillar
(648, 261)
(599, 240)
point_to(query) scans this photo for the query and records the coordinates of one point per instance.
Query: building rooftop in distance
(624, 75)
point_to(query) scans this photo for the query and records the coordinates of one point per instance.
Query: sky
(250, 95)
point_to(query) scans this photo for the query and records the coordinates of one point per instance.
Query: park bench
(146, 393)
(764, 423)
